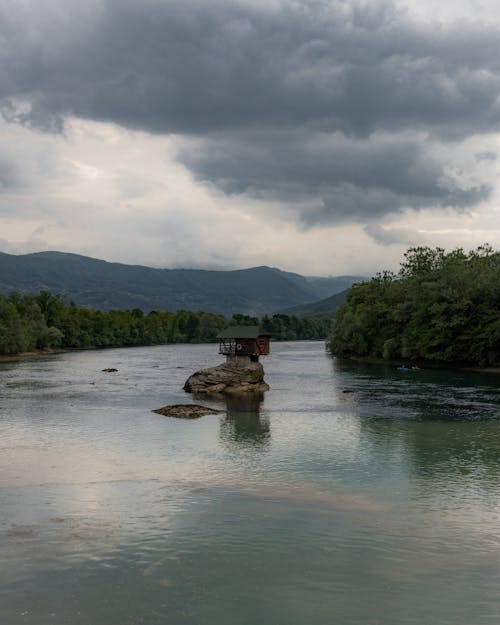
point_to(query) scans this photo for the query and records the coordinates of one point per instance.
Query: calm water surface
(351, 495)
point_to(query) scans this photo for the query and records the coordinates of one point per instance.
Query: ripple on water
(312, 506)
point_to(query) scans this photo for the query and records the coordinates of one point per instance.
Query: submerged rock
(185, 411)
(230, 377)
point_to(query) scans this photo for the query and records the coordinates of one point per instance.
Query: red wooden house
(248, 341)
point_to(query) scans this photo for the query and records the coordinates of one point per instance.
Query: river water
(351, 495)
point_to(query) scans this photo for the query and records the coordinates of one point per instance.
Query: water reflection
(444, 424)
(244, 423)
(380, 391)
(379, 489)
(440, 452)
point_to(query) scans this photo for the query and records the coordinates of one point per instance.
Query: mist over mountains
(93, 283)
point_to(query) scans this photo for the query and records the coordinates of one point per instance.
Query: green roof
(239, 332)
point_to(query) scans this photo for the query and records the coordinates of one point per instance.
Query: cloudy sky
(318, 136)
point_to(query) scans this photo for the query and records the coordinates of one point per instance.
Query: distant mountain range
(102, 285)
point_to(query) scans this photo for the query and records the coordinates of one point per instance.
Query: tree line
(44, 321)
(441, 307)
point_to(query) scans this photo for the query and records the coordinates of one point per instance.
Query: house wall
(245, 347)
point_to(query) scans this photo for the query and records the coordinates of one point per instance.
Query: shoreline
(28, 355)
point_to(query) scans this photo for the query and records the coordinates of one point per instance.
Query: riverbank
(28, 355)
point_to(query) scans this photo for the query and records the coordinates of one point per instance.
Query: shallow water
(352, 494)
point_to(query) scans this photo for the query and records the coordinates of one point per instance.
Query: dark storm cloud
(193, 66)
(229, 73)
(350, 179)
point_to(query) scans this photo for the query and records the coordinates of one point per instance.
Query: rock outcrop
(230, 377)
(186, 411)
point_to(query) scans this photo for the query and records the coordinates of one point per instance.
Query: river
(352, 494)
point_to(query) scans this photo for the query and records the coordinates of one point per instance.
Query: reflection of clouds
(56, 527)
(304, 493)
(154, 526)
(50, 465)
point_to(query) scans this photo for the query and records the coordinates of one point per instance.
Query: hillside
(326, 306)
(102, 285)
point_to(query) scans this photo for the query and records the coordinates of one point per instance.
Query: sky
(318, 136)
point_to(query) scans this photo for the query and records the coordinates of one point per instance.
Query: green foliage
(291, 328)
(243, 320)
(43, 321)
(22, 324)
(442, 307)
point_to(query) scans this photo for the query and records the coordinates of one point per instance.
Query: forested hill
(102, 285)
(327, 306)
(440, 307)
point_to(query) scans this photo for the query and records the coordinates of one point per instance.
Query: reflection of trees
(444, 424)
(442, 453)
(243, 423)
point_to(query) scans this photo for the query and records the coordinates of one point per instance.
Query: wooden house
(244, 341)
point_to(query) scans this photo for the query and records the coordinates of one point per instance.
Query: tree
(440, 307)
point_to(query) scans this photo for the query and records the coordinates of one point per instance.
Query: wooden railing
(227, 347)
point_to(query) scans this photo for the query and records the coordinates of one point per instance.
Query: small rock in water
(186, 411)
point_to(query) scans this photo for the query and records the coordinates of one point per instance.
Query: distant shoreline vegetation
(441, 307)
(30, 323)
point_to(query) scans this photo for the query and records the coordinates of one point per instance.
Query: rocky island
(229, 377)
(242, 372)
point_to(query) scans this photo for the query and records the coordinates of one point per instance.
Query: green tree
(441, 307)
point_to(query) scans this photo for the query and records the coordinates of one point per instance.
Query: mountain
(93, 283)
(325, 287)
(326, 306)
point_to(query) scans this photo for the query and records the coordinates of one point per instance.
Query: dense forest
(44, 321)
(441, 307)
